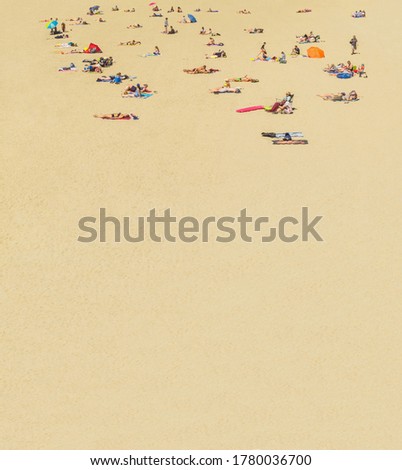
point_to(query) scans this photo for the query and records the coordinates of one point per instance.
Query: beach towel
(290, 142)
(344, 75)
(133, 95)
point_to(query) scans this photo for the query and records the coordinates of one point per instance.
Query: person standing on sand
(353, 43)
(166, 25)
(63, 27)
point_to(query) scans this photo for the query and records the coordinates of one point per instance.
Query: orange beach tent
(315, 53)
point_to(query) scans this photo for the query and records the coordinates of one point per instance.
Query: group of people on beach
(230, 85)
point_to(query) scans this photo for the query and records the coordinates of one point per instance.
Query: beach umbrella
(315, 53)
(192, 18)
(94, 8)
(152, 4)
(52, 24)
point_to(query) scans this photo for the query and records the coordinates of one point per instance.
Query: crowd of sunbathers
(347, 68)
(230, 85)
(307, 38)
(341, 96)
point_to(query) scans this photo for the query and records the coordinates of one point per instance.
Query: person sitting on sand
(134, 26)
(361, 71)
(117, 116)
(217, 55)
(200, 70)
(295, 51)
(130, 43)
(179, 10)
(283, 105)
(245, 79)
(115, 8)
(172, 30)
(171, 10)
(282, 58)
(155, 8)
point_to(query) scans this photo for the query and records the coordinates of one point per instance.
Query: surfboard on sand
(250, 108)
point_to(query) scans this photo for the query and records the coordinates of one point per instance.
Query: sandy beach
(200, 345)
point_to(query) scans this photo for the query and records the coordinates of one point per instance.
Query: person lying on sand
(156, 15)
(341, 96)
(115, 79)
(80, 22)
(304, 10)
(117, 116)
(92, 69)
(61, 36)
(254, 30)
(217, 55)
(70, 68)
(134, 26)
(130, 11)
(244, 12)
(212, 42)
(136, 90)
(225, 89)
(102, 61)
(66, 44)
(359, 14)
(245, 79)
(200, 70)
(212, 11)
(130, 43)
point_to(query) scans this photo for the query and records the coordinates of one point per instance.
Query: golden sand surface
(202, 345)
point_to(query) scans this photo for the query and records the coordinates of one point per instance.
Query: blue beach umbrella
(192, 18)
(52, 24)
(94, 8)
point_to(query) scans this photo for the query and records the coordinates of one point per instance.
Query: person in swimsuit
(117, 116)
